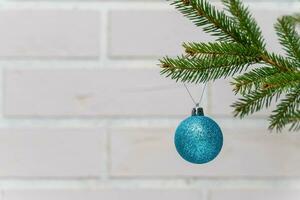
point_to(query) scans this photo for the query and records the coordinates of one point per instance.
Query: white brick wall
(107, 194)
(48, 152)
(85, 114)
(49, 33)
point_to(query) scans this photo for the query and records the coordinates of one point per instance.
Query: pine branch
(288, 36)
(296, 18)
(213, 21)
(253, 80)
(240, 45)
(219, 49)
(246, 22)
(254, 101)
(287, 111)
(279, 62)
(197, 70)
(262, 78)
(293, 120)
(260, 98)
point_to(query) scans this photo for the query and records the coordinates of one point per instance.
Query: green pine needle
(253, 80)
(202, 70)
(213, 21)
(219, 49)
(262, 95)
(254, 101)
(287, 111)
(288, 36)
(246, 22)
(239, 45)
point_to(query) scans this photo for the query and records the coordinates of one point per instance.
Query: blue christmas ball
(198, 139)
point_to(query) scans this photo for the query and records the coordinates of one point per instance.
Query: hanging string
(191, 96)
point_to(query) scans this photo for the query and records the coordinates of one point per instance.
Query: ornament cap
(198, 111)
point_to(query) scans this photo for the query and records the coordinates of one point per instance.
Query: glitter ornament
(198, 139)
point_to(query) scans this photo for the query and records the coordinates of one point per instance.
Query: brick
(221, 98)
(50, 152)
(150, 33)
(126, 92)
(49, 33)
(255, 194)
(107, 194)
(249, 151)
(153, 33)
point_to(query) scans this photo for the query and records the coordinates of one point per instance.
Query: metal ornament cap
(198, 139)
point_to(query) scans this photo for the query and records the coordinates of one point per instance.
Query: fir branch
(197, 70)
(296, 18)
(279, 62)
(293, 120)
(288, 36)
(213, 21)
(262, 78)
(240, 45)
(254, 101)
(287, 111)
(260, 98)
(253, 79)
(246, 22)
(219, 48)
(291, 79)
